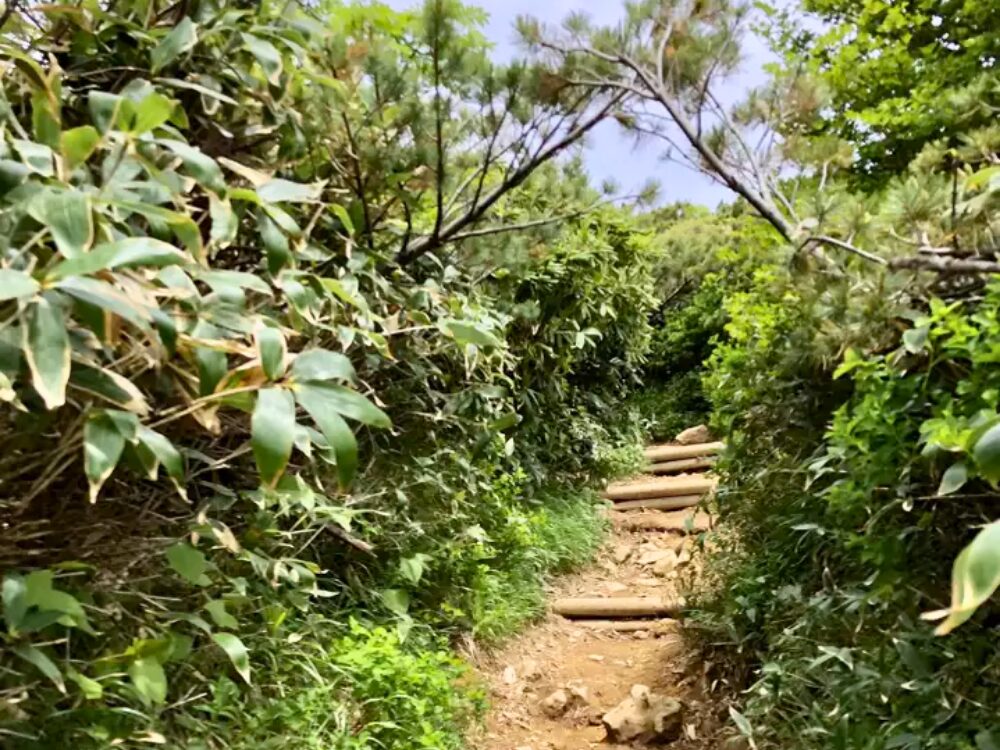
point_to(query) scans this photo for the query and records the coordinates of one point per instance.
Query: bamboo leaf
(180, 39)
(132, 251)
(974, 577)
(321, 364)
(266, 54)
(43, 663)
(236, 652)
(68, 217)
(201, 166)
(272, 430)
(47, 351)
(78, 144)
(345, 402)
(16, 284)
(103, 443)
(271, 350)
(337, 432)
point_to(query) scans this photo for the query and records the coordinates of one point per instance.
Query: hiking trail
(610, 666)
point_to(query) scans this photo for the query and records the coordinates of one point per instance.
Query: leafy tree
(901, 74)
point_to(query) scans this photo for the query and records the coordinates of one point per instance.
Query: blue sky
(609, 152)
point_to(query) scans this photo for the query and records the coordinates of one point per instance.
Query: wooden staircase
(676, 481)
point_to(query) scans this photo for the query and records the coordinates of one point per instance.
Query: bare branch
(511, 181)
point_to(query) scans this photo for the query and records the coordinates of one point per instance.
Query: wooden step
(677, 502)
(683, 521)
(631, 626)
(681, 465)
(608, 607)
(659, 453)
(660, 487)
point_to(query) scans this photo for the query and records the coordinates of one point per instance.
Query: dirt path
(596, 670)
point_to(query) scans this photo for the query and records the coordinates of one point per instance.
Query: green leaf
(271, 349)
(110, 386)
(987, 454)
(216, 608)
(164, 451)
(16, 284)
(78, 144)
(104, 109)
(51, 605)
(915, 339)
(201, 166)
(337, 432)
(276, 245)
(47, 351)
(345, 218)
(103, 443)
(188, 562)
(236, 652)
(396, 600)
(272, 432)
(321, 364)
(36, 156)
(466, 333)
(183, 37)
(284, 191)
(219, 279)
(154, 110)
(92, 690)
(266, 54)
(101, 294)
(954, 478)
(212, 363)
(224, 222)
(412, 568)
(43, 663)
(345, 402)
(974, 577)
(743, 724)
(149, 680)
(68, 217)
(15, 603)
(132, 251)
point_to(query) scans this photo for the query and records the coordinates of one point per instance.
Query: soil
(598, 669)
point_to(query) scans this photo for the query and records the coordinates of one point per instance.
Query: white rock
(695, 435)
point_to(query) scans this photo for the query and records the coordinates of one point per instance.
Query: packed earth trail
(611, 666)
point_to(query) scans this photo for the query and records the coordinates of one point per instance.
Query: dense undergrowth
(327, 438)
(852, 608)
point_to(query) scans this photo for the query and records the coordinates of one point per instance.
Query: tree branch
(513, 180)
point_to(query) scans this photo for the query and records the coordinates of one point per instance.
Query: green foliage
(832, 492)
(902, 74)
(261, 374)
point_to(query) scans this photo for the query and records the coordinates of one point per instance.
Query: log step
(659, 453)
(677, 502)
(660, 487)
(678, 521)
(631, 626)
(681, 465)
(608, 607)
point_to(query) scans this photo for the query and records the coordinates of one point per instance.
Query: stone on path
(644, 717)
(694, 435)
